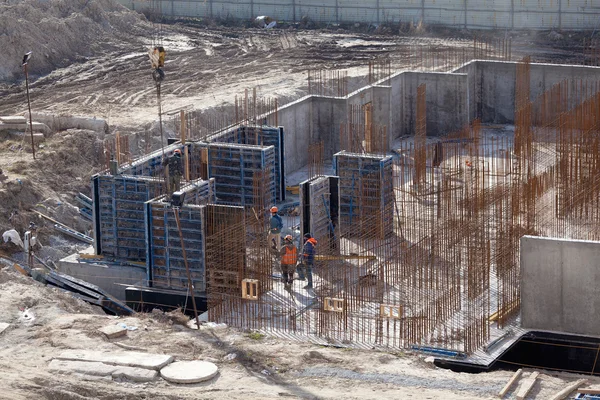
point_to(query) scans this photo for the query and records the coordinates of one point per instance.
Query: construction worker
(289, 257)
(275, 229)
(174, 171)
(308, 260)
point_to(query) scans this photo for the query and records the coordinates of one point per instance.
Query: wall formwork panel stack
(366, 197)
(165, 261)
(233, 167)
(119, 226)
(260, 136)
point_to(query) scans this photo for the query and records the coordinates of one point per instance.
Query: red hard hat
(274, 209)
(177, 151)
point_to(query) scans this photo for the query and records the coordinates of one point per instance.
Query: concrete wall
(295, 119)
(492, 86)
(447, 102)
(105, 277)
(328, 113)
(470, 14)
(559, 285)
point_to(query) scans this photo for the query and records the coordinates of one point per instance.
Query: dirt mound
(60, 32)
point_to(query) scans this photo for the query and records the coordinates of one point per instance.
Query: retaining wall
(559, 285)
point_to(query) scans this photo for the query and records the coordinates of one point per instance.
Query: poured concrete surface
(559, 285)
(129, 359)
(189, 371)
(3, 326)
(100, 369)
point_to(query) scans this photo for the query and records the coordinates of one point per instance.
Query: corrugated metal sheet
(450, 17)
(540, 5)
(445, 4)
(190, 9)
(488, 19)
(491, 14)
(536, 20)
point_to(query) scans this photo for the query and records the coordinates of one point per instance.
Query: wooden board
(511, 381)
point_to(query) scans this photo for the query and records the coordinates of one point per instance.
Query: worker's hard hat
(307, 236)
(177, 151)
(274, 209)
(289, 238)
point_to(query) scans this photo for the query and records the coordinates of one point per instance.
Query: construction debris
(511, 382)
(567, 390)
(527, 385)
(113, 331)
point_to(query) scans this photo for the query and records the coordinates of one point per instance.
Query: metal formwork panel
(260, 136)
(233, 167)
(166, 262)
(365, 193)
(315, 200)
(120, 227)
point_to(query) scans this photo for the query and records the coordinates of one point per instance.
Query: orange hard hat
(288, 237)
(177, 151)
(274, 209)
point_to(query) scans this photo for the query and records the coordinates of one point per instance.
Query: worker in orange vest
(289, 257)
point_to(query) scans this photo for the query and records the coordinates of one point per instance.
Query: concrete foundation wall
(559, 285)
(464, 14)
(492, 86)
(446, 97)
(327, 115)
(105, 277)
(295, 119)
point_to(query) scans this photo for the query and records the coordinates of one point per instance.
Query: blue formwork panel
(366, 198)
(199, 192)
(233, 167)
(166, 262)
(118, 215)
(151, 164)
(260, 136)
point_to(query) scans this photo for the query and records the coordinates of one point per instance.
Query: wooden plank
(565, 392)
(510, 382)
(589, 391)
(21, 270)
(527, 386)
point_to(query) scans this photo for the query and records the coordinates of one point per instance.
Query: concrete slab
(113, 331)
(101, 369)
(3, 326)
(189, 371)
(13, 119)
(128, 359)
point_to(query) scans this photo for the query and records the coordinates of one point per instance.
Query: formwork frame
(233, 167)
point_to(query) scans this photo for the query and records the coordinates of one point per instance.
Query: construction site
(449, 174)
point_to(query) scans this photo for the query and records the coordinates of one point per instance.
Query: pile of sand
(60, 32)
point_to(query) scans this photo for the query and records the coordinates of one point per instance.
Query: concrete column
(466, 8)
(378, 11)
(337, 12)
(294, 10)
(423, 11)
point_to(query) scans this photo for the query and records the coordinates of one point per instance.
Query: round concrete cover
(189, 371)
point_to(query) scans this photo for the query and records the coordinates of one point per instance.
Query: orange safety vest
(290, 257)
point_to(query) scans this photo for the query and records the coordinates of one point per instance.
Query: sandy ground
(106, 75)
(264, 367)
